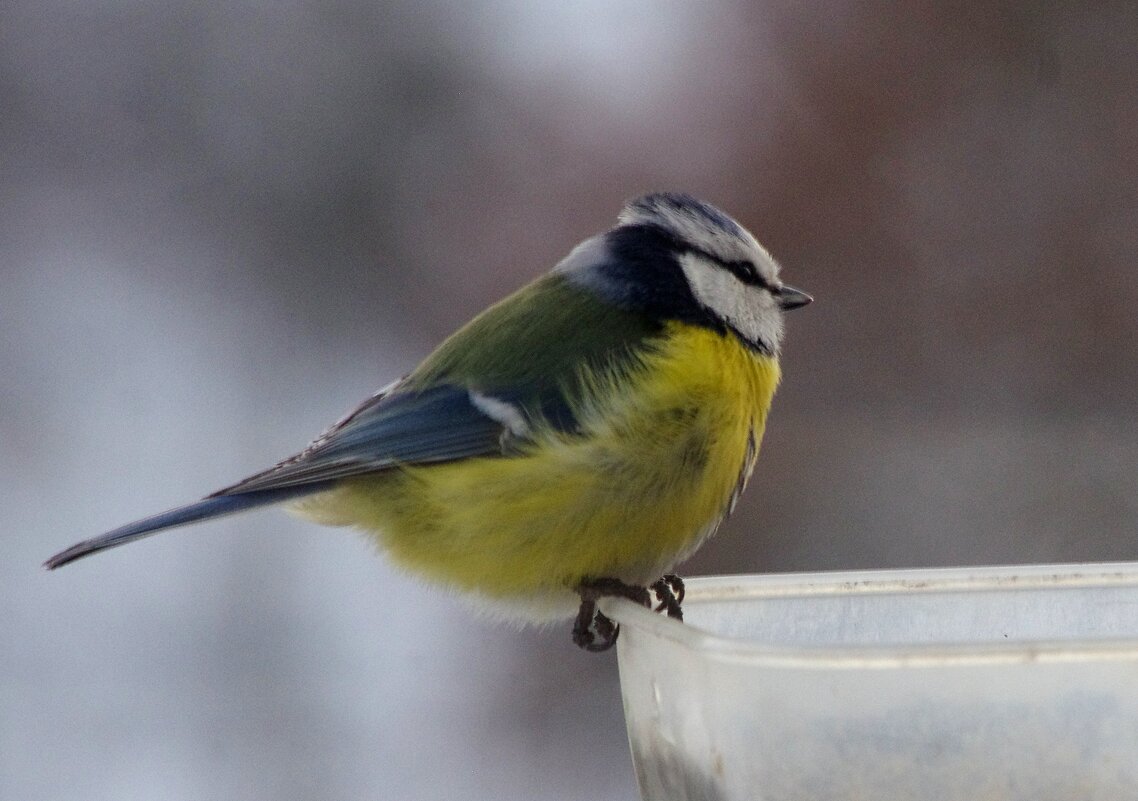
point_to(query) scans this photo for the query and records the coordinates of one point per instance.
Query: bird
(575, 440)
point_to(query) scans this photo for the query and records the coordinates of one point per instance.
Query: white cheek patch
(750, 310)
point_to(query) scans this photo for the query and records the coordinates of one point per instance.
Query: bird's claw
(592, 624)
(670, 593)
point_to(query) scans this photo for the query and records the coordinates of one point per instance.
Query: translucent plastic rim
(907, 582)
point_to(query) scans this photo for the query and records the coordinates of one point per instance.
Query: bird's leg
(590, 620)
(670, 591)
(677, 585)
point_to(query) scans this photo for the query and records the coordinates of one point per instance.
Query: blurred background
(223, 225)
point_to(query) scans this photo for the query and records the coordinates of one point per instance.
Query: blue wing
(437, 424)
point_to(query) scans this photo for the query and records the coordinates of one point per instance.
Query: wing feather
(435, 425)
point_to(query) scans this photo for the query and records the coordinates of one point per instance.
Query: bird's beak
(791, 298)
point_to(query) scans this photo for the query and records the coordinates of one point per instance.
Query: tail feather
(215, 506)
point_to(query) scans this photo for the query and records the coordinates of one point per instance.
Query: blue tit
(577, 439)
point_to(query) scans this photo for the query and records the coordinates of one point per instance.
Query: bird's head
(680, 258)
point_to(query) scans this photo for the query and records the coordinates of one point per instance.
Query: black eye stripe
(743, 270)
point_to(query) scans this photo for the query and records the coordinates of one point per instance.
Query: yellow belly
(652, 474)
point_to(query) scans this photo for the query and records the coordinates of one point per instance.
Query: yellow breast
(657, 464)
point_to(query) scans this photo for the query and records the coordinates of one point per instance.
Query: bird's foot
(594, 631)
(590, 625)
(670, 593)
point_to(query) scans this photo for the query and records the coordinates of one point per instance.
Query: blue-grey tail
(214, 506)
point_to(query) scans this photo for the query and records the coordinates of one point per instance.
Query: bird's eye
(745, 272)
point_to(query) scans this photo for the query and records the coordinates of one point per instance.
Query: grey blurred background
(222, 225)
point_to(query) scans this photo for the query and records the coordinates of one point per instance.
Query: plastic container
(978, 684)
